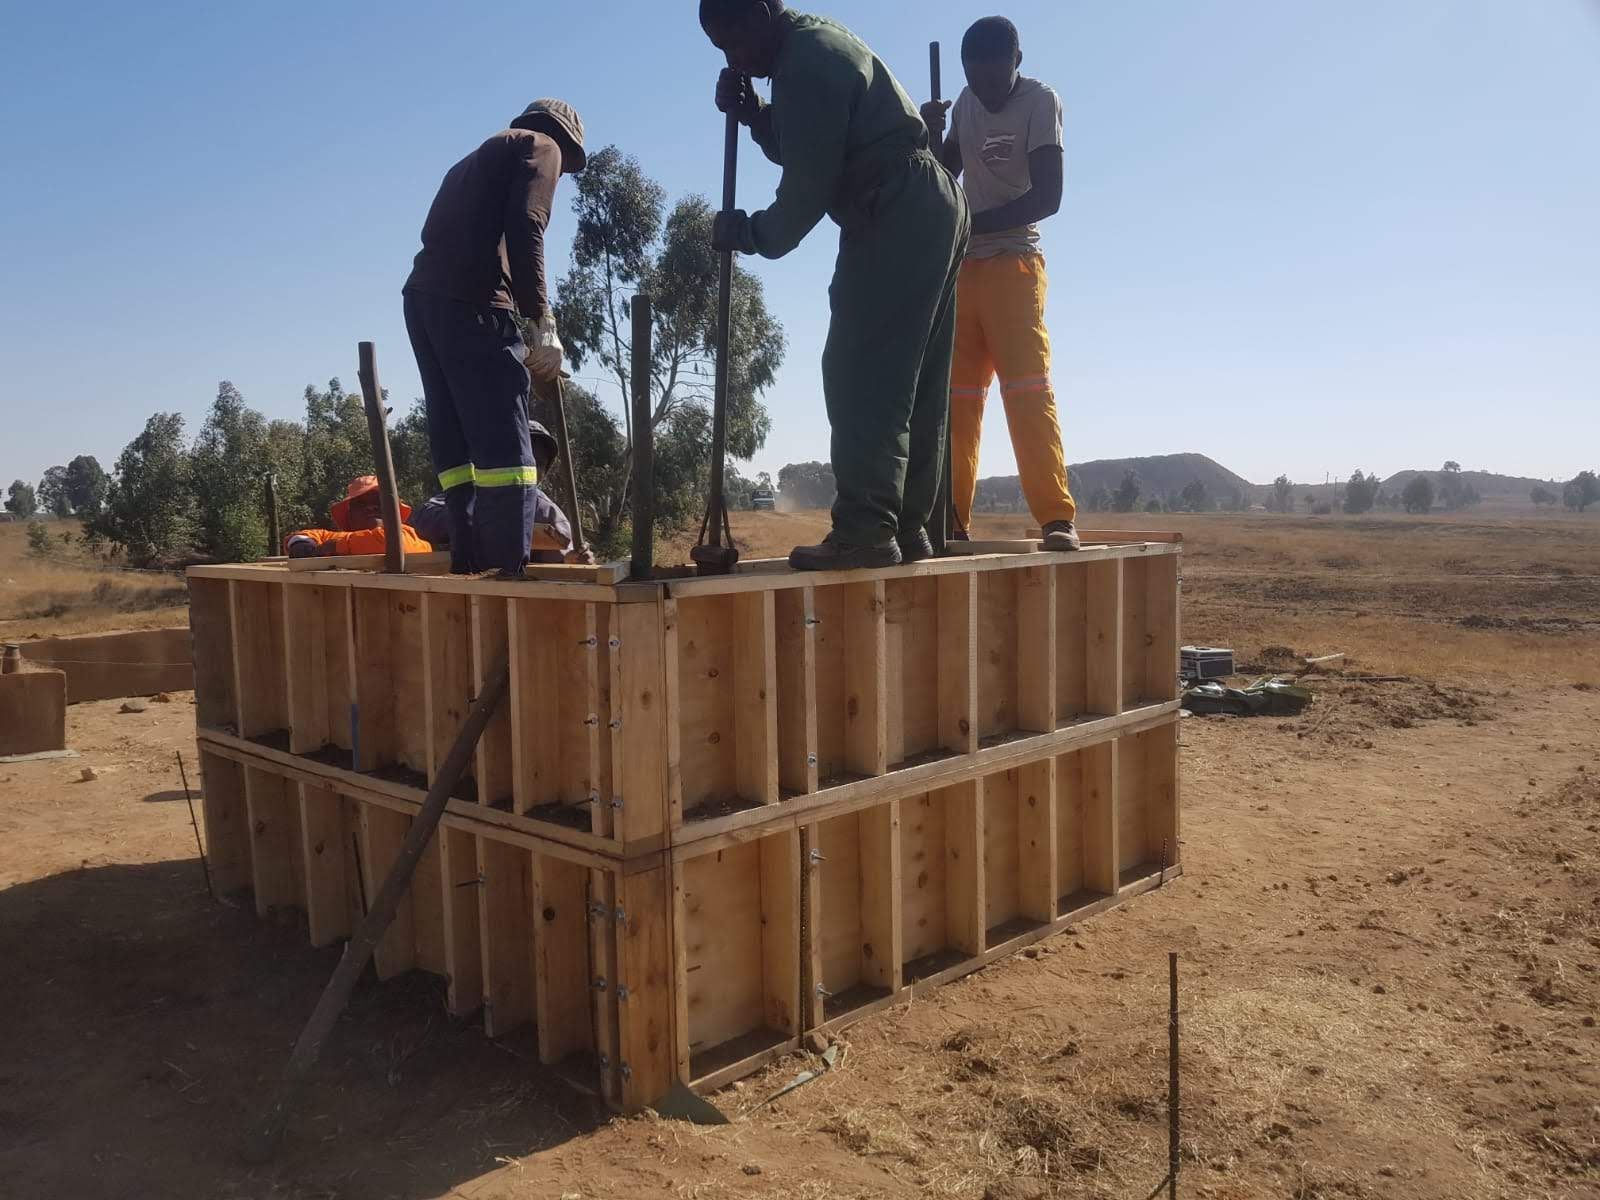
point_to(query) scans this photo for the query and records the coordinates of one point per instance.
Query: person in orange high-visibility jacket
(357, 527)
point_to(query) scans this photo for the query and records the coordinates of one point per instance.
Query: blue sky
(1297, 236)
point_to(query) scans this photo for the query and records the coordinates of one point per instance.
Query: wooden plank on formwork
(958, 663)
(597, 690)
(1103, 637)
(325, 853)
(811, 998)
(721, 937)
(1038, 888)
(448, 683)
(535, 704)
(702, 717)
(1071, 640)
(755, 696)
(912, 619)
(1001, 849)
(780, 932)
(797, 689)
(505, 932)
(652, 1048)
(603, 969)
(372, 678)
(276, 869)
(259, 666)
(1036, 650)
(1101, 857)
(997, 655)
(856, 794)
(382, 832)
(492, 764)
(881, 956)
(427, 909)
(227, 822)
(561, 970)
(641, 715)
(866, 679)
(923, 874)
(211, 631)
(964, 875)
(463, 944)
(305, 657)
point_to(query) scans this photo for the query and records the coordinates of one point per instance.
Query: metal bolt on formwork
(811, 760)
(600, 983)
(823, 992)
(11, 663)
(622, 916)
(615, 643)
(597, 909)
(817, 856)
(627, 1071)
(622, 992)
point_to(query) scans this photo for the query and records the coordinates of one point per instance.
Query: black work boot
(959, 535)
(835, 555)
(1061, 535)
(914, 547)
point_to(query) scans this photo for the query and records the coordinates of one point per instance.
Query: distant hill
(1487, 484)
(1159, 475)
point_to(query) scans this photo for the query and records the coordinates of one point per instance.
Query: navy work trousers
(476, 390)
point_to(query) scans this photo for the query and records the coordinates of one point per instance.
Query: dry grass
(71, 592)
(1478, 601)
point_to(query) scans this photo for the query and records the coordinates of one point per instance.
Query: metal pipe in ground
(644, 442)
(1173, 1124)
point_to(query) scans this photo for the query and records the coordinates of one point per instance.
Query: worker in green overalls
(852, 145)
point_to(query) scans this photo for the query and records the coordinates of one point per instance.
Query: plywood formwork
(714, 814)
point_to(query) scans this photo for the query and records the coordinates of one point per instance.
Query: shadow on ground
(143, 1024)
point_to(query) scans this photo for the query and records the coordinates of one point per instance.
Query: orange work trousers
(1000, 327)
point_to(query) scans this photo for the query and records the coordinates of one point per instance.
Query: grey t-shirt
(994, 156)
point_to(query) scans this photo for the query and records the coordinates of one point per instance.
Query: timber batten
(713, 814)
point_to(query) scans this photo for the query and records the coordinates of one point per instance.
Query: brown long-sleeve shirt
(483, 241)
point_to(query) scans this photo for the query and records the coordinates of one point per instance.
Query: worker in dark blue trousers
(480, 267)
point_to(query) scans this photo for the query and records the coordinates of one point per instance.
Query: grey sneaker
(1061, 535)
(914, 547)
(834, 555)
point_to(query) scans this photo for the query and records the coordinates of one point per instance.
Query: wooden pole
(261, 1143)
(644, 443)
(394, 549)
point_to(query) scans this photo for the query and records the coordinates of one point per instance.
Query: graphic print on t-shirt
(998, 147)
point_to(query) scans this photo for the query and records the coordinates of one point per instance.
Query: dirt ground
(1389, 925)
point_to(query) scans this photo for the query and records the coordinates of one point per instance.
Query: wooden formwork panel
(713, 814)
(522, 937)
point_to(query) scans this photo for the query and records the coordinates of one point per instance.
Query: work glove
(545, 352)
(737, 95)
(934, 116)
(733, 231)
(302, 547)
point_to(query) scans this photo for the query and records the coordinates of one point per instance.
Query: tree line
(169, 501)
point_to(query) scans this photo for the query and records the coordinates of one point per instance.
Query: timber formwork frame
(716, 813)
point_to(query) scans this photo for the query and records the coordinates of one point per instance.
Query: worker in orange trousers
(1006, 145)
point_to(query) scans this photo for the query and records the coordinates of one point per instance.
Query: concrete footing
(33, 712)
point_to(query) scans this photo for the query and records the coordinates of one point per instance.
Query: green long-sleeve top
(838, 124)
